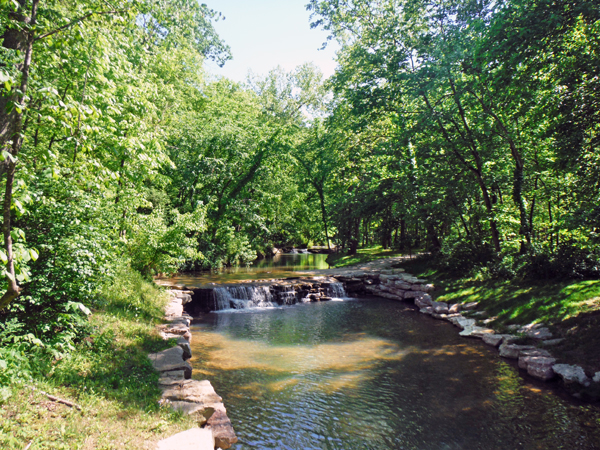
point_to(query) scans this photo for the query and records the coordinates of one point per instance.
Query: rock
(571, 374)
(525, 354)
(454, 309)
(419, 302)
(185, 321)
(438, 316)
(171, 378)
(536, 331)
(513, 350)
(551, 342)
(440, 307)
(170, 360)
(492, 339)
(402, 285)
(221, 427)
(470, 306)
(192, 439)
(427, 310)
(475, 331)
(427, 287)
(497, 339)
(187, 408)
(596, 378)
(463, 322)
(192, 391)
(185, 346)
(539, 366)
(416, 294)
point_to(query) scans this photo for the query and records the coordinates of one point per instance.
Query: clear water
(375, 374)
(280, 266)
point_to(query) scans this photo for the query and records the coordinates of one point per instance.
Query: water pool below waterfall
(375, 374)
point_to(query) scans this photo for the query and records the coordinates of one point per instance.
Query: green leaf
(33, 253)
(3, 257)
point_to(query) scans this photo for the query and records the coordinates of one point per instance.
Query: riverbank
(102, 392)
(569, 308)
(556, 322)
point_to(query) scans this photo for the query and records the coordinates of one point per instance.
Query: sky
(264, 34)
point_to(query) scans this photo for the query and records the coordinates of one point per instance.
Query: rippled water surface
(375, 374)
(279, 266)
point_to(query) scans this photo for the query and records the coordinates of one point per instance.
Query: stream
(372, 373)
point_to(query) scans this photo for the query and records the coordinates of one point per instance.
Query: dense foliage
(471, 128)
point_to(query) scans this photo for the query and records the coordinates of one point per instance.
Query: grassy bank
(106, 373)
(363, 255)
(570, 307)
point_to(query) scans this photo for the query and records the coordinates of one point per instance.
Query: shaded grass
(570, 307)
(108, 374)
(363, 255)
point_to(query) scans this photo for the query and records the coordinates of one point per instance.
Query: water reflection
(372, 375)
(280, 266)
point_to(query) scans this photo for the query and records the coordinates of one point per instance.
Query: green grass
(570, 307)
(363, 255)
(108, 374)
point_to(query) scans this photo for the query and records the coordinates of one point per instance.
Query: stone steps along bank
(395, 284)
(184, 394)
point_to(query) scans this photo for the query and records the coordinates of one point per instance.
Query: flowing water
(375, 374)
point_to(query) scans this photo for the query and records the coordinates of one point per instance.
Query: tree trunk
(11, 124)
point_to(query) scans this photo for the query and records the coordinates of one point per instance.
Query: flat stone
(193, 391)
(470, 306)
(440, 307)
(493, 339)
(427, 310)
(536, 331)
(571, 374)
(454, 308)
(171, 378)
(187, 408)
(463, 322)
(475, 331)
(180, 320)
(540, 367)
(596, 378)
(414, 294)
(439, 316)
(551, 342)
(513, 350)
(169, 360)
(192, 439)
(419, 302)
(525, 354)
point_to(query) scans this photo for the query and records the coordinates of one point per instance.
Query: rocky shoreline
(182, 393)
(536, 359)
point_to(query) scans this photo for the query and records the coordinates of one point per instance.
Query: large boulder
(525, 354)
(539, 366)
(571, 374)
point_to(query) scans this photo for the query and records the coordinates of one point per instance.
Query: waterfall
(242, 297)
(336, 290)
(288, 296)
(222, 299)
